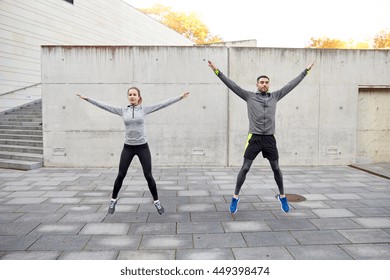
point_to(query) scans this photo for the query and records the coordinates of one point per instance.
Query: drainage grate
(294, 197)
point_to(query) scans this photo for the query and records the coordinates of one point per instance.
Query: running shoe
(159, 207)
(111, 208)
(234, 205)
(284, 204)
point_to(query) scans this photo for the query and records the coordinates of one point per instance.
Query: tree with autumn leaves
(380, 41)
(191, 27)
(188, 25)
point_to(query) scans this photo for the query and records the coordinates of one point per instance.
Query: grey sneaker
(111, 208)
(159, 207)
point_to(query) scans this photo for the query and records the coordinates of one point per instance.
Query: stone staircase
(21, 138)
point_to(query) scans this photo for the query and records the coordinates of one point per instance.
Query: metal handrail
(13, 91)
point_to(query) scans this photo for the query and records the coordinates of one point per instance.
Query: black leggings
(128, 153)
(245, 169)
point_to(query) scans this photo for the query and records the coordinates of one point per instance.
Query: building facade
(27, 25)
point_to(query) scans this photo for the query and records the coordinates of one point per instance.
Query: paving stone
(200, 227)
(46, 207)
(113, 242)
(368, 251)
(257, 239)
(147, 255)
(382, 222)
(333, 213)
(16, 242)
(123, 217)
(61, 229)
(219, 240)
(60, 243)
(21, 228)
(252, 215)
(83, 217)
(318, 237)
(335, 223)
(370, 211)
(366, 235)
(318, 252)
(31, 255)
(26, 200)
(343, 196)
(204, 254)
(291, 224)
(245, 226)
(169, 217)
(89, 255)
(152, 228)
(40, 217)
(9, 217)
(196, 207)
(211, 216)
(105, 229)
(262, 253)
(166, 241)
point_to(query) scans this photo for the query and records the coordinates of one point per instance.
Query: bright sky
(285, 23)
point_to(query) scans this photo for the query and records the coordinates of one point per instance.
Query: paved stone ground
(62, 214)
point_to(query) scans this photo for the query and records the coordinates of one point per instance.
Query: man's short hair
(262, 76)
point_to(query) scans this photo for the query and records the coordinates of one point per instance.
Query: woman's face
(133, 96)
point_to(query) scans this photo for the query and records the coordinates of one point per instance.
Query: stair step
(20, 164)
(21, 156)
(17, 123)
(21, 137)
(21, 127)
(21, 149)
(19, 142)
(20, 132)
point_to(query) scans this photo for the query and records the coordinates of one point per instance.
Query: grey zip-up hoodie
(261, 106)
(134, 117)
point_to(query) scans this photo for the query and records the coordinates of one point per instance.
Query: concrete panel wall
(76, 133)
(316, 123)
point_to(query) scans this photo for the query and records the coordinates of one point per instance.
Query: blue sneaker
(284, 204)
(234, 205)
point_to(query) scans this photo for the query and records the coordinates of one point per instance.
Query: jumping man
(261, 106)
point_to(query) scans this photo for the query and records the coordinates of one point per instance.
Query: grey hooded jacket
(262, 107)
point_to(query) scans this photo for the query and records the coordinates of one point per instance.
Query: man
(261, 113)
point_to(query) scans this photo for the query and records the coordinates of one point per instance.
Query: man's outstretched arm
(229, 83)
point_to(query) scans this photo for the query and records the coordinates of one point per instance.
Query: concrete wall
(26, 25)
(316, 123)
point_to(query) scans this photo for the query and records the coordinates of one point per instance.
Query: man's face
(263, 85)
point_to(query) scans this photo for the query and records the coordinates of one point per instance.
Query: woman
(135, 141)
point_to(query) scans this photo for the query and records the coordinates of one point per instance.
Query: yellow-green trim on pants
(247, 142)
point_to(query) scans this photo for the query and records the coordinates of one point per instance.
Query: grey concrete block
(199, 227)
(147, 255)
(245, 226)
(262, 253)
(366, 235)
(368, 251)
(105, 229)
(60, 243)
(166, 241)
(204, 254)
(152, 228)
(318, 237)
(219, 240)
(31, 255)
(318, 252)
(269, 239)
(112, 242)
(335, 223)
